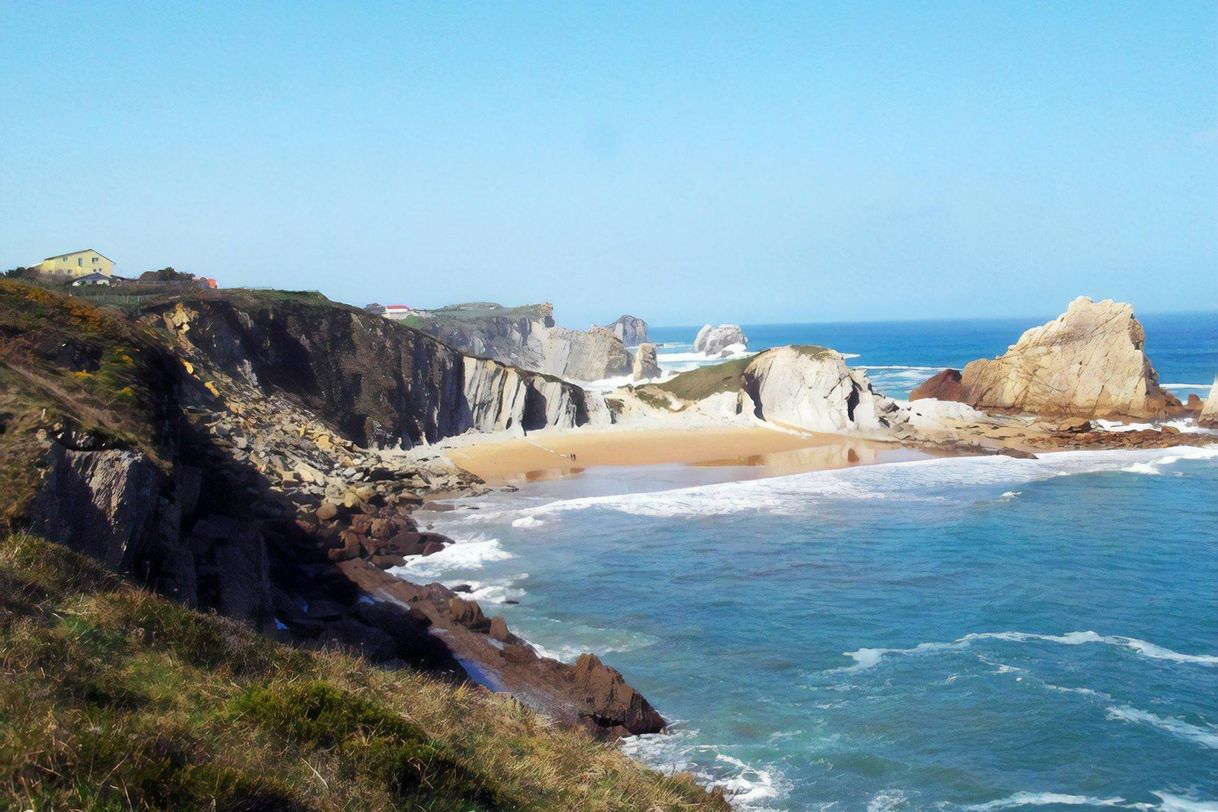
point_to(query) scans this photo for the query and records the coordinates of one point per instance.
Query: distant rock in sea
(1089, 362)
(1209, 412)
(714, 340)
(645, 364)
(630, 330)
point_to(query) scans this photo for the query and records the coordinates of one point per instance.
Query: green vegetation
(113, 698)
(477, 311)
(66, 361)
(705, 381)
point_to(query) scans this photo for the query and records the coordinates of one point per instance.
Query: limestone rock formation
(1089, 362)
(812, 388)
(630, 330)
(1209, 412)
(646, 366)
(715, 340)
(378, 382)
(583, 355)
(527, 337)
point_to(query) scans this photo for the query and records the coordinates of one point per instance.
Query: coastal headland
(261, 454)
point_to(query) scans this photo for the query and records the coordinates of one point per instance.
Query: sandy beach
(548, 455)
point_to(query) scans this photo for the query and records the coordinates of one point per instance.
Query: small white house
(397, 311)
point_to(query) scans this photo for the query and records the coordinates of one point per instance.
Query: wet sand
(550, 455)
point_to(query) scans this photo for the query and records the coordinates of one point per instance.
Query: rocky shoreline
(275, 448)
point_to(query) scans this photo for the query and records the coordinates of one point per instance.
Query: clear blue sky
(692, 162)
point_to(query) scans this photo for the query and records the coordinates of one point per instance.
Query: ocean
(955, 633)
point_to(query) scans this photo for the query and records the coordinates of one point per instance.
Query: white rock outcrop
(812, 388)
(630, 330)
(715, 340)
(1089, 362)
(646, 366)
(500, 398)
(1209, 411)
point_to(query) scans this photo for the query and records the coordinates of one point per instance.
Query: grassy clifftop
(111, 697)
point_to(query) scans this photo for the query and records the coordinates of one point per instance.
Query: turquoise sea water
(964, 633)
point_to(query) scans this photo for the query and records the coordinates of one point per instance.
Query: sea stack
(1209, 412)
(1089, 362)
(715, 340)
(631, 330)
(646, 366)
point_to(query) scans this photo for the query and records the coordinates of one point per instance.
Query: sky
(684, 162)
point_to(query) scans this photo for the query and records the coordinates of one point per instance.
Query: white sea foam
(468, 554)
(887, 800)
(749, 787)
(1051, 799)
(933, 480)
(527, 521)
(866, 658)
(1204, 386)
(1176, 803)
(1206, 736)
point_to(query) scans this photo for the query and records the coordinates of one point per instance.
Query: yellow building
(78, 263)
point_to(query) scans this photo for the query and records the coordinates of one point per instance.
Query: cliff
(377, 382)
(216, 449)
(1089, 362)
(527, 337)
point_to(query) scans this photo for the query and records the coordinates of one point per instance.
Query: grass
(705, 381)
(114, 698)
(65, 361)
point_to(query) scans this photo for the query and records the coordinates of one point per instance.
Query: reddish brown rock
(519, 654)
(351, 547)
(326, 512)
(944, 385)
(499, 629)
(469, 614)
(609, 703)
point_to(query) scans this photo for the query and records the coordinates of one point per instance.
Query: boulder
(630, 330)
(1089, 362)
(469, 614)
(944, 385)
(608, 703)
(499, 630)
(646, 366)
(716, 340)
(1209, 412)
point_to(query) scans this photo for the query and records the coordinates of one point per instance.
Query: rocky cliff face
(377, 382)
(211, 448)
(715, 340)
(630, 330)
(1088, 362)
(527, 337)
(812, 388)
